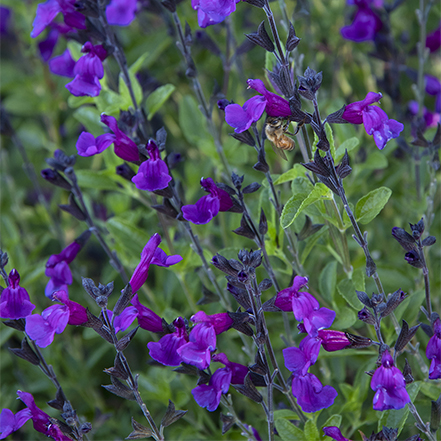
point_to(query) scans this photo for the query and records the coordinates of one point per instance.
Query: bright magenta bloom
(433, 351)
(14, 300)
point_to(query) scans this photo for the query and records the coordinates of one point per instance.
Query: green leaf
(346, 289)
(334, 420)
(285, 413)
(290, 209)
(311, 241)
(375, 161)
(89, 117)
(157, 99)
(297, 171)
(311, 432)
(346, 318)
(369, 206)
(125, 93)
(349, 145)
(288, 432)
(76, 101)
(330, 136)
(328, 280)
(191, 121)
(358, 277)
(95, 179)
(397, 418)
(110, 102)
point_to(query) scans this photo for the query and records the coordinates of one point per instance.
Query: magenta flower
(366, 22)
(433, 40)
(14, 300)
(208, 206)
(389, 385)
(209, 395)
(211, 12)
(88, 145)
(197, 351)
(5, 20)
(374, 119)
(165, 351)
(46, 47)
(88, 71)
(152, 174)
(124, 320)
(299, 360)
(10, 423)
(241, 118)
(77, 312)
(221, 322)
(121, 12)
(334, 433)
(333, 340)
(42, 421)
(433, 351)
(147, 319)
(238, 371)
(63, 65)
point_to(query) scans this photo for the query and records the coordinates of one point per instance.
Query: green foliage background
(46, 118)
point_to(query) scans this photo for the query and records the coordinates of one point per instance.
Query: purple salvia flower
(5, 20)
(221, 322)
(209, 395)
(88, 145)
(432, 85)
(125, 319)
(41, 420)
(152, 174)
(431, 119)
(366, 23)
(77, 312)
(433, 351)
(433, 40)
(334, 433)
(124, 147)
(10, 423)
(211, 12)
(42, 328)
(316, 320)
(63, 65)
(197, 351)
(241, 118)
(284, 297)
(147, 319)
(333, 340)
(275, 105)
(165, 351)
(46, 46)
(238, 371)
(299, 360)
(88, 71)
(389, 385)
(14, 300)
(160, 258)
(374, 119)
(208, 206)
(121, 12)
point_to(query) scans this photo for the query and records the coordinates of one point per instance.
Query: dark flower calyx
(292, 41)
(310, 83)
(366, 316)
(413, 258)
(417, 229)
(403, 238)
(221, 263)
(393, 301)
(55, 178)
(245, 137)
(261, 38)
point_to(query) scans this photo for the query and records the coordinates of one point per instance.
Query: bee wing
(279, 152)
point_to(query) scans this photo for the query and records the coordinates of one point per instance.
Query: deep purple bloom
(433, 40)
(63, 65)
(221, 322)
(46, 13)
(41, 420)
(165, 351)
(238, 371)
(373, 118)
(152, 174)
(389, 385)
(209, 395)
(88, 71)
(432, 85)
(211, 12)
(42, 328)
(46, 46)
(10, 423)
(197, 351)
(125, 319)
(334, 433)
(147, 319)
(208, 206)
(333, 340)
(366, 23)
(121, 12)
(284, 297)
(431, 119)
(299, 360)
(88, 145)
(311, 395)
(14, 300)
(151, 255)
(241, 118)
(77, 312)
(433, 351)
(5, 18)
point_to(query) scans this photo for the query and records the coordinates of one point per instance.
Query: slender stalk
(426, 278)
(227, 402)
(420, 423)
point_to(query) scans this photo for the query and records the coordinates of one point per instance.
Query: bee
(275, 130)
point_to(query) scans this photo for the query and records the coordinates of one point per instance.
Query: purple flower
(46, 13)
(299, 360)
(121, 12)
(42, 328)
(42, 421)
(241, 118)
(88, 145)
(10, 423)
(433, 40)
(433, 351)
(208, 206)
(334, 433)
(14, 300)
(221, 322)
(77, 312)
(284, 297)
(238, 371)
(311, 395)
(151, 255)
(431, 119)
(46, 46)
(5, 18)
(63, 65)
(165, 351)
(152, 174)
(88, 71)
(147, 319)
(432, 85)
(124, 320)
(333, 340)
(197, 351)
(375, 120)
(211, 12)
(209, 395)
(365, 25)
(389, 385)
